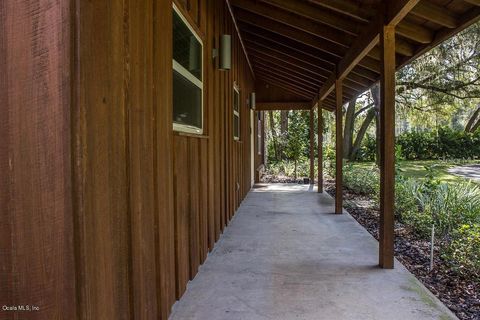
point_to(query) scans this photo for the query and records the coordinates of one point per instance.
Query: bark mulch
(460, 294)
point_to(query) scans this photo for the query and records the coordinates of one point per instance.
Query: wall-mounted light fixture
(225, 62)
(252, 100)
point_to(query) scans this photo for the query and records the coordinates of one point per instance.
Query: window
(187, 76)
(236, 113)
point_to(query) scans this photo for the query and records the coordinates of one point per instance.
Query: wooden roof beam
(286, 79)
(300, 83)
(312, 76)
(285, 85)
(287, 82)
(437, 14)
(267, 45)
(255, 51)
(320, 16)
(274, 13)
(356, 76)
(292, 61)
(474, 2)
(409, 30)
(280, 105)
(289, 31)
(305, 38)
(300, 94)
(252, 31)
(268, 63)
(395, 11)
(345, 7)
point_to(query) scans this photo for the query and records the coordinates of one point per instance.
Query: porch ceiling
(297, 45)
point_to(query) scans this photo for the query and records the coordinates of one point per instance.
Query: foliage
(454, 209)
(464, 250)
(368, 149)
(362, 180)
(444, 143)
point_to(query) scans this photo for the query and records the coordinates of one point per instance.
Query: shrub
(464, 250)
(449, 206)
(405, 199)
(443, 143)
(361, 180)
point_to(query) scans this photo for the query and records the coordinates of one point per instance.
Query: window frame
(236, 90)
(179, 127)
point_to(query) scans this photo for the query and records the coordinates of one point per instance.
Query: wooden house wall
(36, 221)
(212, 171)
(110, 211)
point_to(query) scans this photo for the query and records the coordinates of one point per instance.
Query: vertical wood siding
(36, 227)
(106, 212)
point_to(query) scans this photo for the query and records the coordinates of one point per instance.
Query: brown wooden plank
(292, 105)
(211, 128)
(435, 13)
(36, 217)
(387, 149)
(101, 172)
(163, 156)
(143, 220)
(338, 148)
(182, 208)
(193, 218)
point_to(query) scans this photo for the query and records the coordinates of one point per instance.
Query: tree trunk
(274, 135)
(283, 132)
(361, 134)
(348, 130)
(375, 91)
(474, 121)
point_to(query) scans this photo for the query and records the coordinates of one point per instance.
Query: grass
(417, 170)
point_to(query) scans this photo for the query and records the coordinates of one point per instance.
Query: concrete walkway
(286, 256)
(468, 171)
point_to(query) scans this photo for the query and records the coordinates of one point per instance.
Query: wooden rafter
(358, 75)
(409, 30)
(309, 75)
(287, 83)
(292, 105)
(437, 14)
(282, 86)
(303, 37)
(369, 38)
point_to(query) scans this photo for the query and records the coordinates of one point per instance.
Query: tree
(474, 121)
(274, 135)
(296, 142)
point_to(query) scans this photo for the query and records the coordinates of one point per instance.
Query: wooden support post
(320, 146)
(339, 147)
(387, 147)
(312, 148)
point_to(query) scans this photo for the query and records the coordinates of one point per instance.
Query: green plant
(361, 180)
(463, 252)
(450, 206)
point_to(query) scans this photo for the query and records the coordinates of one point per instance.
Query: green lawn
(417, 170)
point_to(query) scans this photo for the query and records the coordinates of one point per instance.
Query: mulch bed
(459, 294)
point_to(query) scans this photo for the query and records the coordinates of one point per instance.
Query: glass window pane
(236, 100)
(187, 102)
(236, 126)
(187, 50)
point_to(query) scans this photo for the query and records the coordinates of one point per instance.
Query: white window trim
(236, 89)
(190, 77)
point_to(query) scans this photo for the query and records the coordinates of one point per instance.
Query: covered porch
(286, 256)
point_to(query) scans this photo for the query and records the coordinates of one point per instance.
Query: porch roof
(304, 46)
